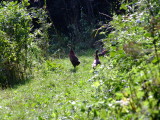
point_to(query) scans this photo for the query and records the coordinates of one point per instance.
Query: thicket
(75, 20)
(128, 84)
(21, 46)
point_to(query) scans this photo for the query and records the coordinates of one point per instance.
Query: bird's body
(73, 58)
(96, 60)
(103, 53)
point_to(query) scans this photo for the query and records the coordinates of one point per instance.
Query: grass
(59, 93)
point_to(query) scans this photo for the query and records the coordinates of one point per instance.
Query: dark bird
(103, 53)
(96, 60)
(73, 58)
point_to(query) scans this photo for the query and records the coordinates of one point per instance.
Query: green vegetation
(20, 49)
(125, 86)
(56, 92)
(15, 42)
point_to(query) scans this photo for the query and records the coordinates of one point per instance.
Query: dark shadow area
(14, 84)
(74, 70)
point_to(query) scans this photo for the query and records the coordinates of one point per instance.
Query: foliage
(128, 84)
(41, 28)
(19, 50)
(80, 36)
(15, 41)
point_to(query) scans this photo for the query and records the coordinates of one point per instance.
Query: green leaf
(123, 6)
(147, 34)
(96, 84)
(112, 53)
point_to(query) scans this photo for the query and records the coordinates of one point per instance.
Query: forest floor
(58, 93)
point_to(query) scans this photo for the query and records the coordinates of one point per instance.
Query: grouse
(103, 53)
(73, 58)
(96, 60)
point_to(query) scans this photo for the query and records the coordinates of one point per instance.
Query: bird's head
(96, 52)
(71, 48)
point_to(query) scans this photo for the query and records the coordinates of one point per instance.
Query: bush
(128, 84)
(18, 46)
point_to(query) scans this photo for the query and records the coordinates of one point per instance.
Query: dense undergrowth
(125, 86)
(128, 85)
(21, 45)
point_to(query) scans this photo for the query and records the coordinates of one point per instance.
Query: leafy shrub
(15, 41)
(128, 84)
(18, 46)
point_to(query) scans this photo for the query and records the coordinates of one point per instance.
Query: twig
(105, 15)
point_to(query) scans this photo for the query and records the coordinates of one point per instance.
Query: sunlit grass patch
(52, 93)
